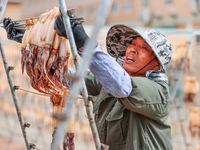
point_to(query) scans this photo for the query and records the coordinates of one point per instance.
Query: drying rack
(78, 84)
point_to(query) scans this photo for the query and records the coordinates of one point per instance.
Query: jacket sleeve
(110, 74)
(147, 98)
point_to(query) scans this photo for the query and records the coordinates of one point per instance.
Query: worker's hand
(77, 28)
(12, 33)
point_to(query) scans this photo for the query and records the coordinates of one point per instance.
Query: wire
(18, 88)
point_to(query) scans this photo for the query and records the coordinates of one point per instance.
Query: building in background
(143, 13)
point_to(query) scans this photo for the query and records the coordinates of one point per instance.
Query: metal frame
(175, 104)
(81, 72)
(11, 84)
(78, 84)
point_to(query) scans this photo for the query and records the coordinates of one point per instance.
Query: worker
(133, 100)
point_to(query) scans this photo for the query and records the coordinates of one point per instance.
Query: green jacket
(137, 122)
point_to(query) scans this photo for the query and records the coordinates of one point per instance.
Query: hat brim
(118, 38)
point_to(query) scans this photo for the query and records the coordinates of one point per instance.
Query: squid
(44, 56)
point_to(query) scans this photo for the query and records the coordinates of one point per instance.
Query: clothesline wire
(16, 87)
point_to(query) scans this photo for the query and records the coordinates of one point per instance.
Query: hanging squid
(45, 59)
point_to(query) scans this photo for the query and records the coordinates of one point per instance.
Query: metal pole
(76, 62)
(81, 72)
(173, 95)
(10, 81)
(2, 8)
(14, 95)
(198, 8)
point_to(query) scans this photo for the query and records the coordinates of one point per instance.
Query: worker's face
(139, 54)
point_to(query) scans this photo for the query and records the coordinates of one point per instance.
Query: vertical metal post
(81, 72)
(76, 61)
(198, 8)
(174, 92)
(2, 8)
(10, 81)
(14, 95)
(173, 95)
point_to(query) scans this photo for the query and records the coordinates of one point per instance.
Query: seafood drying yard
(38, 70)
(37, 109)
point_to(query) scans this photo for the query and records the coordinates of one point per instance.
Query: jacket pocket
(114, 126)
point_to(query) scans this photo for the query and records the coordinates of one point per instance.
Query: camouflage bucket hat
(119, 37)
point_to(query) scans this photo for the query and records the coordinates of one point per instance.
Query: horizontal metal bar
(21, 20)
(20, 28)
(77, 18)
(22, 24)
